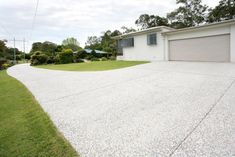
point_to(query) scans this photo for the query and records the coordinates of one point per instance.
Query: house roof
(96, 51)
(215, 24)
(149, 30)
(168, 30)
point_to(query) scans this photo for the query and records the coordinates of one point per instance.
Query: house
(94, 53)
(210, 42)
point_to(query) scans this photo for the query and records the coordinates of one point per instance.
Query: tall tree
(2, 46)
(109, 44)
(2, 49)
(126, 30)
(71, 43)
(147, 21)
(47, 47)
(37, 46)
(190, 13)
(224, 11)
(94, 43)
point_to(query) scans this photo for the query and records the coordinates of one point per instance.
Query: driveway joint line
(204, 117)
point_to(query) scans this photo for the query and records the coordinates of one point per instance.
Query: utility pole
(14, 51)
(24, 47)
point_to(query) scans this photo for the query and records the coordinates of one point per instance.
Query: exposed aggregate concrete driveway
(150, 110)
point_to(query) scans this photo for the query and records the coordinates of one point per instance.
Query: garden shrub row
(4, 64)
(67, 56)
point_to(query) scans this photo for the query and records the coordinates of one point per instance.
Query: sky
(58, 19)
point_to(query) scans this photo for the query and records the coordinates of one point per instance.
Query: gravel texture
(150, 110)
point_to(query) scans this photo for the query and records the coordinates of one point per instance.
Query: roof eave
(154, 29)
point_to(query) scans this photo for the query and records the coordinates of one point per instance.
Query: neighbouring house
(210, 42)
(96, 53)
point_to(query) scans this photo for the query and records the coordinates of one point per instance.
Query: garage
(208, 48)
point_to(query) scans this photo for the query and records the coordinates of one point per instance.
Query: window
(152, 39)
(129, 42)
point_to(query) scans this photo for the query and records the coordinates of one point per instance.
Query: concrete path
(151, 110)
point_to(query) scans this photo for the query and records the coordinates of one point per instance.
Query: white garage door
(212, 48)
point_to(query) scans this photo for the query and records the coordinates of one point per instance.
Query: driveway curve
(149, 110)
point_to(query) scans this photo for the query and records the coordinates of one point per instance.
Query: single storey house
(210, 43)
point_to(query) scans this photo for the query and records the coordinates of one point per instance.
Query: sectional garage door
(210, 48)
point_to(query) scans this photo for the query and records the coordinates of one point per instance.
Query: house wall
(142, 51)
(202, 32)
(232, 43)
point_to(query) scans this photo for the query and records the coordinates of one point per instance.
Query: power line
(34, 19)
(3, 27)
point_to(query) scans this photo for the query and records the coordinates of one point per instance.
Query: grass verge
(92, 66)
(25, 129)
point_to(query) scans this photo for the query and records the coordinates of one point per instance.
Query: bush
(79, 61)
(95, 59)
(104, 59)
(88, 57)
(5, 66)
(2, 62)
(51, 60)
(65, 57)
(112, 58)
(79, 56)
(39, 58)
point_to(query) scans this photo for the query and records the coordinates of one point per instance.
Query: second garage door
(210, 48)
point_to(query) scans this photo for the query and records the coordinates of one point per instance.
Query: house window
(129, 42)
(152, 39)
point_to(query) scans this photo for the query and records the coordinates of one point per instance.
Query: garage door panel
(213, 48)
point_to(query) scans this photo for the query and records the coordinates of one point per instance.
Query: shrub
(79, 61)
(88, 57)
(79, 56)
(95, 59)
(2, 61)
(65, 57)
(112, 58)
(51, 60)
(39, 58)
(5, 66)
(104, 59)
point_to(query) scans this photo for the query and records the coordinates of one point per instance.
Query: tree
(2, 49)
(37, 46)
(47, 47)
(148, 21)
(104, 42)
(94, 43)
(190, 13)
(2, 46)
(71, 43)
(109, 44)
(224, 11)
(127, 30)
(10, 51)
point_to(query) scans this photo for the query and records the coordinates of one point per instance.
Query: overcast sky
(59, 19)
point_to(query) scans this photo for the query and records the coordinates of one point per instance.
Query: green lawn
(92, 66)
(25, 129)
